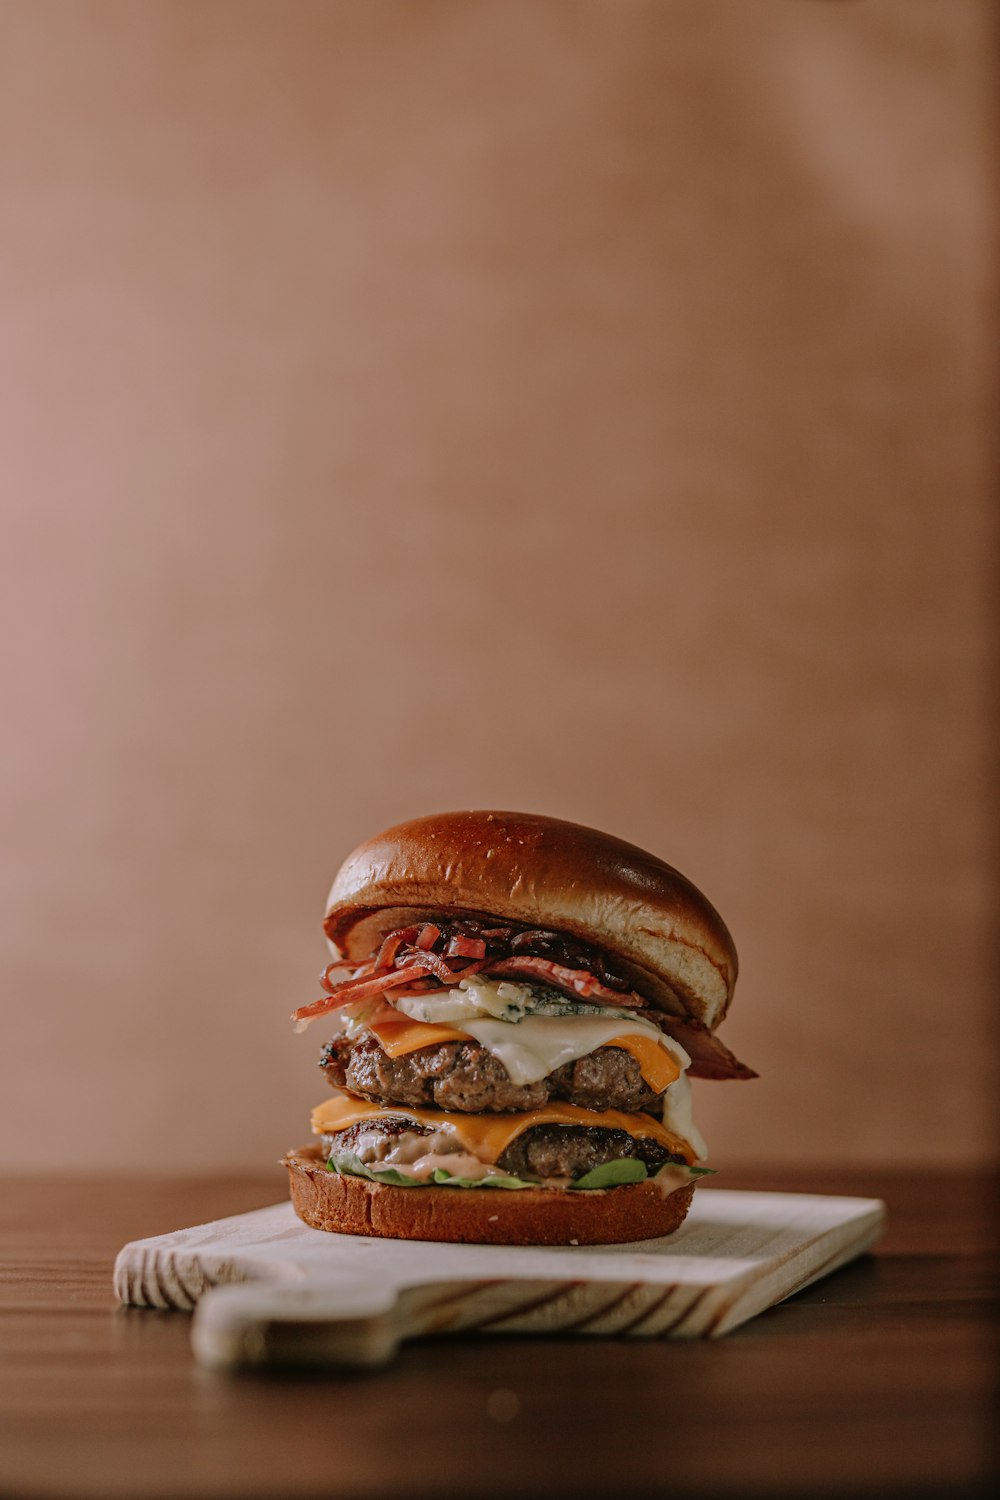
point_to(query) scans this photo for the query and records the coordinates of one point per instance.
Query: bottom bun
(525, 1216)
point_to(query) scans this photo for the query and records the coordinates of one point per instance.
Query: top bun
(668, 941)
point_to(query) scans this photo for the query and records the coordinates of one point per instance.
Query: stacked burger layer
(507, 1064)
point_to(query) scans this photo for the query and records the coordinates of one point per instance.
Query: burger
(514, 1010)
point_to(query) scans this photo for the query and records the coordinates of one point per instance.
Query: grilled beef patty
(466, 1077)
(543, 1151)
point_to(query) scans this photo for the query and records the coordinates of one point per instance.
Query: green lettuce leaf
(446, 1180)
(628, 1169)
(613, 1174)
(350, 1165)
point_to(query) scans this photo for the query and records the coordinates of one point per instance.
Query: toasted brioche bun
(666, 938)
(529, 1216)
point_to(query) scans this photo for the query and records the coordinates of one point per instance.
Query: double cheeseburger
(517, 1004)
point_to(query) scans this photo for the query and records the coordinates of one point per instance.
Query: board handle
(348, 1323)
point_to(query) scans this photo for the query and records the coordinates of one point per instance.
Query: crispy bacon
(430, 953)
(341, 963)
(576, 982)
(461, 946)
(436, 965)
(386, 956)
(432, 963)
(710, 1058)
(361, 988)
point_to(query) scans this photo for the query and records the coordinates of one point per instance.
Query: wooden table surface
(878, 1380)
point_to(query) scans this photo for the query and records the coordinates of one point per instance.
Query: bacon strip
(407, 955)
(576, 982)
(386, 955)
(366, 984)
(434, 964)
(361, 989)
(465, 947)
(331, 985)
(710, 1058)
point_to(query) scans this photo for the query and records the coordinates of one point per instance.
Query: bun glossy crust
(529, 1216)
(668, 940)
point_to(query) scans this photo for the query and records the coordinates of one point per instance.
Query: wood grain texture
(349, 1299)
(876, 1380)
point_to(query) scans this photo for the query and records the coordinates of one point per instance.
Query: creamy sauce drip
(677, 1115)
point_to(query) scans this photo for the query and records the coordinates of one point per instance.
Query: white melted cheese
(503, 1018)
(501, 999)
(533, 1048)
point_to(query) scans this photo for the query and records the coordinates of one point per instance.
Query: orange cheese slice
(397, 1037)
(402, 1036)
(488, 1136)
(658, 1066)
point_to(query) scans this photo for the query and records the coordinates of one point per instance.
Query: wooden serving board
(308, 1297)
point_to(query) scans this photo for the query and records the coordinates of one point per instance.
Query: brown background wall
(567, 406)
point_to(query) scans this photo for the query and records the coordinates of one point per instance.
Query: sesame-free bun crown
(664, 936)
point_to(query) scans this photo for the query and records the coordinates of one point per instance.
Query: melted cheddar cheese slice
(658, 1066)
(402, 1036)
(488, 1136)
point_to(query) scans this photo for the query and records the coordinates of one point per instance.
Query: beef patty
(466, 1077)
(542, 1151)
